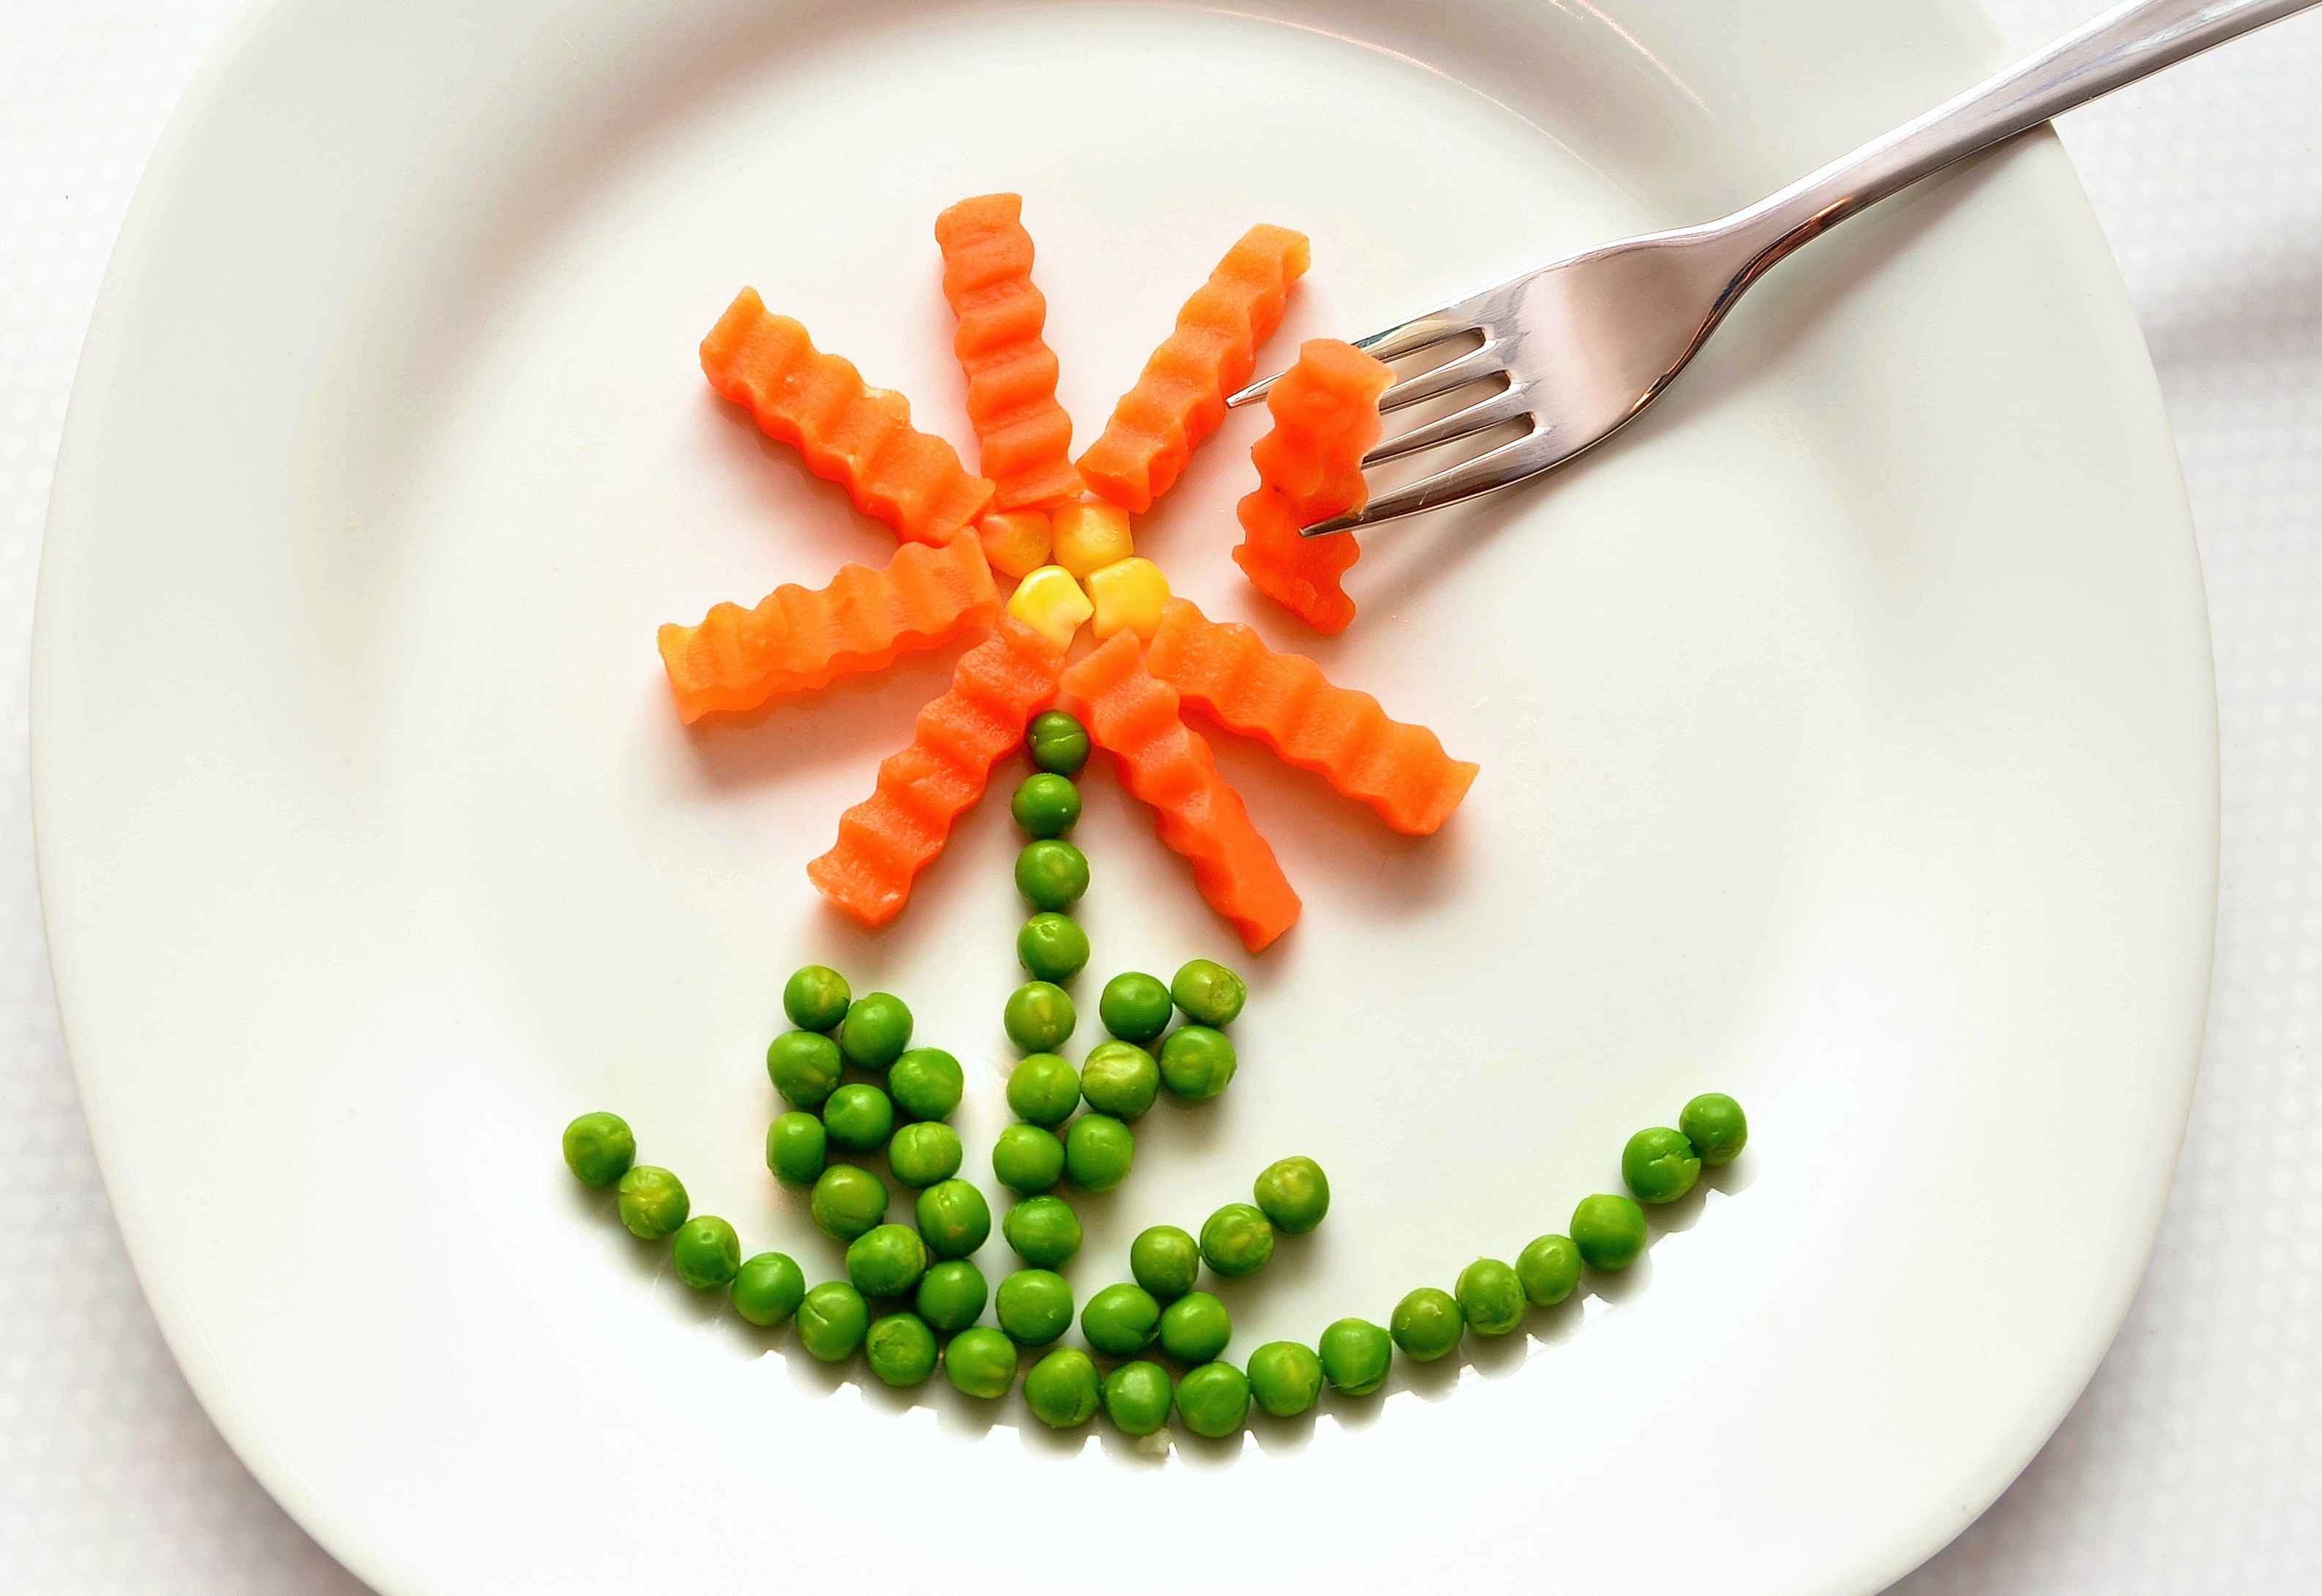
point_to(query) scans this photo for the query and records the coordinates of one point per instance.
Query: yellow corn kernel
(1052, 604)
(1015, 541)
(1128, 594)
(1090, 537)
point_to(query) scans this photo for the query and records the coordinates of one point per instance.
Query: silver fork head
(1582, 345)
(1573, 348)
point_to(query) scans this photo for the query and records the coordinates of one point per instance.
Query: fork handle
(2123, 45)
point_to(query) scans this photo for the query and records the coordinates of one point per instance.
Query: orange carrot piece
(894, 834)
(1310, 468)
(1286, 701)
(1181, 396)
(859, 437)
(798, 639)
(1025, 436)
(1166, 763)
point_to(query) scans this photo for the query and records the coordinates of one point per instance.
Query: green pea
(1138, 1397)
(1044, 1230)
(1209, 993)
(1491, 1297)
(1062, 1389)
(1053, 948)
(1609, 1231)
(1196, 1063)
(1120, 1079)
(847, 1201)
(1427, 1324)
(1659, 1165)
(953, 1219)
(797, 1148)
(654, 1203)
(952, 1295)
(923, 1153)
(706, 1253)
(598, 1148)
(877, 1030)
(1052, 874)
(900, 1349)
(859, 1117)
(1135, 1007)
(1035, 1306)
(1165, 1260)
(816, 997)
(1027, 1160)
(1716, 1126)
(1098, 1151)
(981, 1363)
(1196, 1327)
(1213, 1400)
(1121, 1319)
(1236, 1240)
(1355, 1357)
(1039, 1017)
(768, 1288)
(926, 1083)
(1046, 804)
(1044, 1088)
(1294, 1193)
(804, 1067)
(1057, 742)
(832, 1320)
(886, 1261)
(1548, 1268)
(1285, 1378)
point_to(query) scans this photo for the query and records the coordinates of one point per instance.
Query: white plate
(1846, 729)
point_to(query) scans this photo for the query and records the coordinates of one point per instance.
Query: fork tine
(1510, 462)
(1487, 361)
(1507, 405)
(1256, 390)
(1404, 338)
(1419, 332)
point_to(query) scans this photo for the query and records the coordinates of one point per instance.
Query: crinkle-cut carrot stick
(798, 639)
(1310, 468)
(1300, 574)
(895, 833)
(1025, 437)
(859, 437)
(1165, 762)
(1326, 417)
(1286, 701)
(1181, 396)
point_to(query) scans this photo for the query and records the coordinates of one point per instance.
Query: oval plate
(1847, 733)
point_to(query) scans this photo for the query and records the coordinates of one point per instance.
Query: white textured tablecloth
(2194, 1461)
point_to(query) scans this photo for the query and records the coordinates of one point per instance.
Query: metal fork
(1582, 345)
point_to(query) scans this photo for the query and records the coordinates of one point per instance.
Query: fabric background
(2192, 1462)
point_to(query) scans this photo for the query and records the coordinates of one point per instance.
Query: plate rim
(222, 1400)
